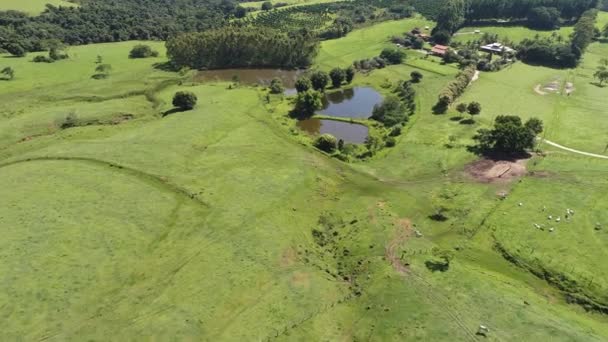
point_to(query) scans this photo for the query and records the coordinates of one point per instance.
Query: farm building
(496, 48)
(439, 50)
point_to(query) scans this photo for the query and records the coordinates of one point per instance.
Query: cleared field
(515, 34)
(32, 7)
(364, 43)
(199, 224)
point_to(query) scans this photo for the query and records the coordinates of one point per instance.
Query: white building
(496, 48)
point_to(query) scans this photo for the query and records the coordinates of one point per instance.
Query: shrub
(303, 84)
(15, 50)
(266, 6)
(42, 59)
(307, 103)
(319, 80)
(474, 108)
(337, 76)
(390, 112)
(393, 56)
(396, 131)
(461, 108)
(142, 51)
(276, 86)
(391, 142)
(349, 74)
(416, 76)
(454, 89)
(184, 100)
(326, 142)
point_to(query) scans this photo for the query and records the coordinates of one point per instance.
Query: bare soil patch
(496, 171)
(403, 232)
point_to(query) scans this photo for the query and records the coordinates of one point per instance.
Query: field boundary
(588, 154)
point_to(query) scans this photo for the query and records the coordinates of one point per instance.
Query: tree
(474, 108)
(307, 103)
(508, 135)
(326, 142)
(350, 74)
(416, 76)
(319, 80)
(9, 72)
(240, 12)
(102, 71)
(417, 43)
(601, 75)
(142, 51)
(543, 17)
(535, 125)
(303, 84)
(450, 16)
(266, 6)
(605, 31)
(584, 31)
(461, 108)
(393, 55)
(442, 37)
(16, 50)
(390, 112)
(99, 59)
(184, 100)
(337, 76)
(276, 86)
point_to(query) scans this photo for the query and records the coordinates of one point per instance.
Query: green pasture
(32, 7)
(258, 4)
(198, 225)
(364, 43)
(512, 33)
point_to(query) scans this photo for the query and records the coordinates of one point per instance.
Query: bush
(319, 80)
(391, 142)
(276, 86)
(326, 142)
(15, 50)
(337, 76)
(42, 59)
(474, 108)
(416, 76)
(390, 112)
(307, 103)
(393, 56)
(184, 100)
(303, 84)
(266, 6)
(142, 51)
(349, 74)
(461, 108)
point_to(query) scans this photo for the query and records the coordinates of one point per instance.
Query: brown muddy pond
(355, 102)
(349, 132)
(251, 76)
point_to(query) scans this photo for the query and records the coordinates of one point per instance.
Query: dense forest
(242, 47)
(110, 20)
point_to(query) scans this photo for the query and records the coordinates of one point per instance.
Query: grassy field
(199, 224)
(258, 4)
(364, 43)
(32, 7)
(515, 34)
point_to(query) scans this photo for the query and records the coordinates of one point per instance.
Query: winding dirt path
(601, 156)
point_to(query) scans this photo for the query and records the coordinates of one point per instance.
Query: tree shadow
(436, 266)
(166, 66)
(497, 155)
(467, 122)
(598, 84)
(172, 111)
(456, 118)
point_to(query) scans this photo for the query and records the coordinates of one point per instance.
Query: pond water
(356, 102)
(349, 132)
(251, 76)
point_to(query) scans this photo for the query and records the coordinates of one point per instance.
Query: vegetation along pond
(355, 102)
(251, 76)
(349, 132)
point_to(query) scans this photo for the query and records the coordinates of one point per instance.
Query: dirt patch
(289, 257)
(300, 279)
(403, 232)
(538, 91)
(569, 88)
(496, 171)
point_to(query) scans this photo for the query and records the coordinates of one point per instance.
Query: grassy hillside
(515, 34)
(32, 7)
(199, 224)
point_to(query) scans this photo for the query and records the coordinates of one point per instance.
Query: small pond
(356, 102)
(349, 132)
(251, 76)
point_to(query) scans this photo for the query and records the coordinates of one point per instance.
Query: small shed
(439, 50)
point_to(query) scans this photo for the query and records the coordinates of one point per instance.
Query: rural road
(575, 151)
